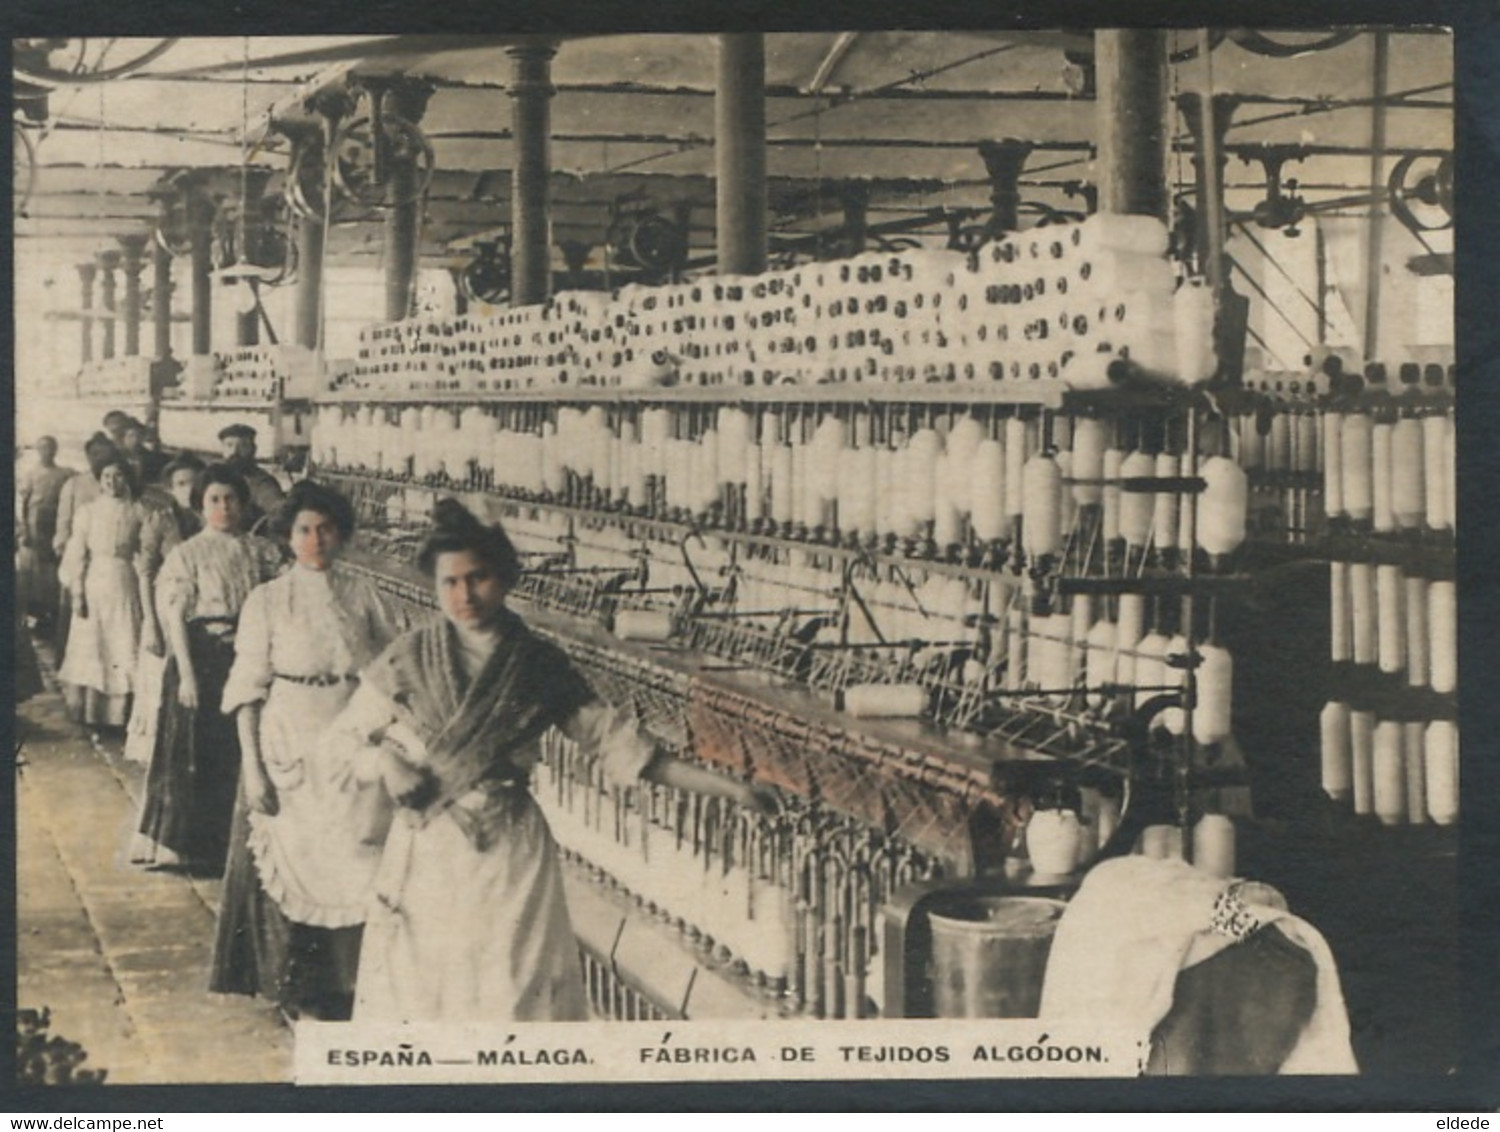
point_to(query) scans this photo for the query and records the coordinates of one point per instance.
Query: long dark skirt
(195, 767)
(309, 971)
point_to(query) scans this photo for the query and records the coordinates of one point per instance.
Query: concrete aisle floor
(119, 955)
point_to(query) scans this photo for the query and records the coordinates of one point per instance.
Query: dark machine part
(486, 279)
(641, 237)
(1421, 193)
(1282, 207)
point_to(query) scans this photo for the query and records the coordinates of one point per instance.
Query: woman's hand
(260, 795)
(151, 638)
(408, 785)
(187, 690)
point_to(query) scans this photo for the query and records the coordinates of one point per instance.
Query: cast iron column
(409, 101)
(134, 246)
(1131, 74)
(86, 273)
(740, 153)
(161, 301)
(108, 261)
(531, 129)
(200, 234)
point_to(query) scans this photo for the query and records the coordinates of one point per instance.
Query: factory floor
(119, 956)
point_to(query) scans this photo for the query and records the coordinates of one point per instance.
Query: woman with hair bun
(469, 920)
(170, 520)
(100, 570)
(194, 768)
(300, 866)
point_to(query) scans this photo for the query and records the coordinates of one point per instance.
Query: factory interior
(1014, 452)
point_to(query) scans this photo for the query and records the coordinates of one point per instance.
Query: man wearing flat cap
(238, 441)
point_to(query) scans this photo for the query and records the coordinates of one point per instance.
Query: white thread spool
(1358, 467)
(1151, 670)
(1408, 474)
(1137, 507)
(1440, 752)
(1015, 463)
(1214, 845)
(1041, 515)
(987, 497)
(1130, 627)
(1224, 505)
(1109, 527)
(1334, 725)
(1382, 516)
(858, 497)
(1389, 773)
(1341, 624)
(1413, 743)
(1090, 438)
(1334, 464)
(1362, 754)
(778, 468)
(1164, 513)
(1162, 842)
(1306, 437)
(1015, 649)
(1442, 621)
(1435, 480)
(1450, 474)
(1362, 611)
(947, 516)
(1213, 715)
(755, 482)
(1279, 444)
(1390, 621)
(1099, 662)
(1067, 506)
(1193, 317)
(1417, 632)
(920, 472)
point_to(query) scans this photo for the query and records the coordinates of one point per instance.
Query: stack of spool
(1389, 741)
(1063, 304)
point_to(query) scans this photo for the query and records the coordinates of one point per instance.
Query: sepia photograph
(750, 555)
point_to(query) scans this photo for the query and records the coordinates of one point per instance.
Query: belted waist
(318, 681)
(215, 626)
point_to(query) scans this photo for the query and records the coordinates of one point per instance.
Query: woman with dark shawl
(469, 920)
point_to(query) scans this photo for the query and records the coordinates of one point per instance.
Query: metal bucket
(989, 955)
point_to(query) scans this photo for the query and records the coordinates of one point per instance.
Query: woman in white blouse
(101, 571)
(195, 764)
(300, 867)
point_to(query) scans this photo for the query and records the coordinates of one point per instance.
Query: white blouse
(212, 574)
(306, 623)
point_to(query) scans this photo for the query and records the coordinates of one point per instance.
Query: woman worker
(299, 871)
(100, 571)
(469, 919)
(170, 520)
(195, 764)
